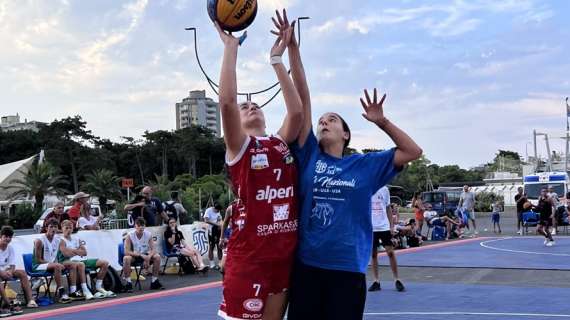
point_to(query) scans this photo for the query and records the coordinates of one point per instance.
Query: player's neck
(255, 132)
(3, 246)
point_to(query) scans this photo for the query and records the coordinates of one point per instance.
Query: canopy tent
(11, 171)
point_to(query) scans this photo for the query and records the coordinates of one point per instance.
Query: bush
(484, 200)
(24, 217)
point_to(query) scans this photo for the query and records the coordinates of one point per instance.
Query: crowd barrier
(103, 244)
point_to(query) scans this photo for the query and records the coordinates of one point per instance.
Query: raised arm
(406, 149)
(298, 74)
(234, 136)
(291, 126)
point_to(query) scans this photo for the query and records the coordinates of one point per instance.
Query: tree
(40, 180)
(65, 142)
(103, 184)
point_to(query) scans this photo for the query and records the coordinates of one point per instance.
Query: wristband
(275, 60)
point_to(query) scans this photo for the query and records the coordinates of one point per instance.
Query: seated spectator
(58, 214)
(87, 221)
(68, 250)
(175, 244)
(44, 258)
(140, 248)
(8, 269)
(434, 219)
(72, 251)
(406, 233)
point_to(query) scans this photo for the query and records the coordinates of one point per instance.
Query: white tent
(11, 171)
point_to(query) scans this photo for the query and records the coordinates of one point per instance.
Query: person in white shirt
(383, 228)
(140, 248)
(72, 251)
(213, 218)
(434, 219)
(88, 222)
(8, 269)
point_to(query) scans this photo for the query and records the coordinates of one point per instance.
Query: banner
(103, 244)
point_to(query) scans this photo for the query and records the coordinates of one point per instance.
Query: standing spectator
(8, 269)
(135, 210)
(419, 212)
(467, 204)
(72, 251)
(152, 207)
(58, 214)
(496, 216)
(544, 207)
(383, 228)
(44, 258)
(555, 205)
(88, 222)
(520, 199)
(80, 203)
(213, 217)
(140, 248)
(174, 209)
(175, 243)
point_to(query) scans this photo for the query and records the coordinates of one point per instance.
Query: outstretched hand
(227, 38)
(285, 31)
(373, 109)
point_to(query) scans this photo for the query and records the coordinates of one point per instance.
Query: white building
(12, 123)
(197, 109)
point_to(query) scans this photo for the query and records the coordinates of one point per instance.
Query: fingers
(285, 17)
(281, 22)
(367, 97)
(375, 96)
(275, 33)
(277, 25)
(217, 25)
(364, 106)
(382, 100)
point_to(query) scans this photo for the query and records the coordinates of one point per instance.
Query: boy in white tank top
(140, 249)
(44, 257)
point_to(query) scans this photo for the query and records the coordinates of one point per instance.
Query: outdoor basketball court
(454, 287)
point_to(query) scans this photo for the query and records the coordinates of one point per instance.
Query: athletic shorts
(383, 238)
(326, 294)
(248, 284)
(90, 263)
(214, 236)
(469, 214)
(545, 220)
(496, 218)
(140, 260)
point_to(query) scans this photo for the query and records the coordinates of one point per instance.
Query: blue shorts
(496, 217)
(469, 215)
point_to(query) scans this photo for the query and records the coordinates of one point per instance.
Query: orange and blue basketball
(232, 15)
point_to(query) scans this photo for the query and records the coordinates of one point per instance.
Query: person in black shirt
(136, 210)
(520, 199)
(544, 207)
(175, 244)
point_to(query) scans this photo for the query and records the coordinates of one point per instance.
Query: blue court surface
(497, 253)
(420, 301)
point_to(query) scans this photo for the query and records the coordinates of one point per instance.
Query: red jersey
(264, 219)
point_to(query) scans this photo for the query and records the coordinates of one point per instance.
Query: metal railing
(112, 224)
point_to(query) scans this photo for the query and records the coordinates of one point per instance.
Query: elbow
(417, 152)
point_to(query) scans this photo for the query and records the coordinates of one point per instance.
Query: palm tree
(103, 184)
(40, 180)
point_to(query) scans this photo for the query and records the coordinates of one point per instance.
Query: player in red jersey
(264, 176)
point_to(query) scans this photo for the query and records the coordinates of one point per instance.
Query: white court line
(499, 314)
(484, 245)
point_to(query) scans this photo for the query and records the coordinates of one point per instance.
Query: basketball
(232, 15)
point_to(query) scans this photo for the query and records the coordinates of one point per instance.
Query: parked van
(442, 201)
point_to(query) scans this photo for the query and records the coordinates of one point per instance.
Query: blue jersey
(334, 223)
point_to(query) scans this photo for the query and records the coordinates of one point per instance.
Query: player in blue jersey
(335, 239)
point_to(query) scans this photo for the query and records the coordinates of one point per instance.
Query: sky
(463, 78)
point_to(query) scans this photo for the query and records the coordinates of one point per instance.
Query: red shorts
(247, 286)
